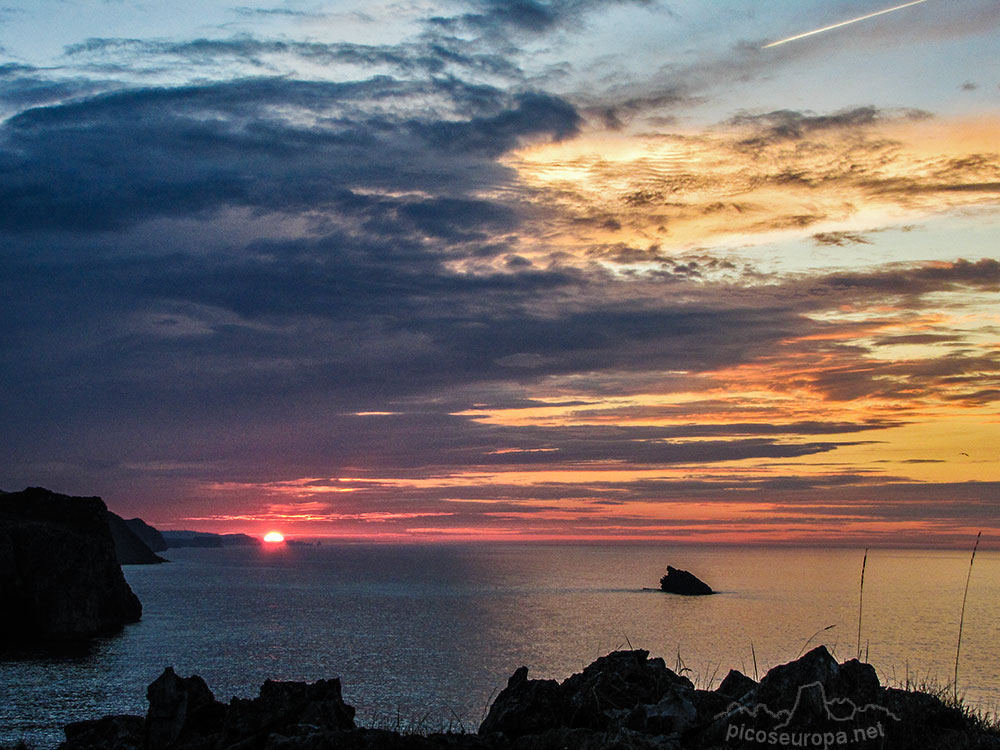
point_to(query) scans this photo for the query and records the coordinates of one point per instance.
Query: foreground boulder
(623, 701)
(604, 696)
(681, 582)
(59, 574)
(183, 714)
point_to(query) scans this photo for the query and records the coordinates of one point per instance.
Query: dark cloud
(920, 279)
(109, 161)
(431, 56)
(841, 238)
(532, 16)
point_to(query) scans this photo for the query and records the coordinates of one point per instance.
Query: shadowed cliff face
(59, 575)
(129, 546)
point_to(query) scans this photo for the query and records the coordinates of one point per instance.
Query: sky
(425, 270)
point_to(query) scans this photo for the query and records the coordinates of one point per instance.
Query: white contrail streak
(843, 23)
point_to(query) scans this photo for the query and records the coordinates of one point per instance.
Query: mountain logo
(814, 721)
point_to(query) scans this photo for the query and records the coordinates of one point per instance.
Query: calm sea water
(430, 633)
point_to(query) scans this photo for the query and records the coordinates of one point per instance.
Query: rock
(184, 538)
(852, 680)
(524, 707)
(182, 712)
(779, 687)
(735, 685)
(811, 696)
(673, 714)
(110, 733)
(604, 695)
(152, 537)
(59, 575)
(129, 548)
(681, 582)
(622, 701)
(282, 705)
(184, 715)
(616, 683)
(191, 539)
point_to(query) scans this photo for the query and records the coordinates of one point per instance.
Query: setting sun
(274, 536)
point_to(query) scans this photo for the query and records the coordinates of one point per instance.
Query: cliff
(130, 549)
(150, 536)
(59, 574)
(184, 538)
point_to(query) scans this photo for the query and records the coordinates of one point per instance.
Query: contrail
(843, 23)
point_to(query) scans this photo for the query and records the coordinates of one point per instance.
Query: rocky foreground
(623, 701)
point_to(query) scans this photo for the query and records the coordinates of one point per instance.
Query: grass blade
(961, 619)
(861, 599)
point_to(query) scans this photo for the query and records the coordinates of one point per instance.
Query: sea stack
(684, 583)
(59, 574)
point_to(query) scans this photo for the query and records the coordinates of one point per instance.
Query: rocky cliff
(150, 536)
(130, 549)
(59, 574)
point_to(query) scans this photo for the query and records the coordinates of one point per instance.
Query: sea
(423, 637)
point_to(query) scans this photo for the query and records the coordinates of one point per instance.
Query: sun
(274, 536)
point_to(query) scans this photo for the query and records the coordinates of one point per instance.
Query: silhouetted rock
(149, 535)
(110, 733)
(190, 539)
(524, 707)
(735, 685)
(623, 701)
(681, 582)
(602, 696)
(183, 538)
(129, 548)
(183, 712)
(284, 705)
(59, 575)
(614, 684)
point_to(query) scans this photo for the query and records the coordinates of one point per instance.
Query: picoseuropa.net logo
(813, 722)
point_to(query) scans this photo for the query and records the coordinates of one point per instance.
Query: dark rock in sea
(129, 548)
(681, 582)
(151, 536)
(59, 575)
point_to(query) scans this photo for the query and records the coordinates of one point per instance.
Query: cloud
(840, 239)
(427, 57)
(369, 283)
(532, 16)
(782, 173)
(789, 125)
(188, 150)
